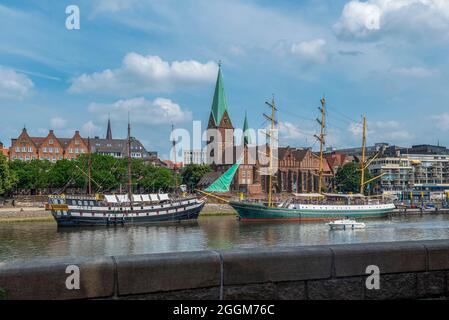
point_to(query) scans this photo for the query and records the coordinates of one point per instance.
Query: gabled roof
(298, 154)
(219, 104)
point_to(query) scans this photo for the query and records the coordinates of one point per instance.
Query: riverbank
(24, 214)
(38, 214)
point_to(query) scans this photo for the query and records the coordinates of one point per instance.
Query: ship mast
(322, 142)
(129, 161)
(362, 175)
(174, 159)
(270, 135)
(89, 165)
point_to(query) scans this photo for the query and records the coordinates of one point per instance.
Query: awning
(344, 195)
(136, 198)
(163, 197)
(308, 195)
(122, 198)
(110, 198)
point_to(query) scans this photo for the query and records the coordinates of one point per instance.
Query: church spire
(219, 104)
(109, 131)
(246, 135)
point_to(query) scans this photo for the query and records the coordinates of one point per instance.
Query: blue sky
(387, 59)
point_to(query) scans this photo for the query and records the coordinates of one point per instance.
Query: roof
(246, 135)
(298, 154)
(171, 164)
(219, 104)
(109, 131)
(208, 178)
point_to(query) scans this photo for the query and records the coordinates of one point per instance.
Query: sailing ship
(121, 209)
(308, 206)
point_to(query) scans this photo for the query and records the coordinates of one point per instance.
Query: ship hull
(259, 212)
(76, 217)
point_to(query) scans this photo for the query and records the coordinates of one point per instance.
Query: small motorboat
(346, 224)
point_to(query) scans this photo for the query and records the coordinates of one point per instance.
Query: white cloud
(90, 129)
(158, 111)
(58, 123)
(13, 85)
(289, 131)
(365, 19)
(114, 5)
(311, 51)
(358, 19)
(382, 131)
(416, 72)
(441, 121)
(142, 74)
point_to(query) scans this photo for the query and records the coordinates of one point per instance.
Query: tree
(31, 175)
(348, 178)
(7, 176)
(192, 174)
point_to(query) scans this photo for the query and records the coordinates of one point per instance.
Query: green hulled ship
(309, 206)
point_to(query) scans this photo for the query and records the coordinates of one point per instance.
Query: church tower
(220, 133)
(109, 131)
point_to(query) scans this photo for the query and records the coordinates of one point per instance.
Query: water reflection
(26, 240)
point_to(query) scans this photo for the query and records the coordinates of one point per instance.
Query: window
(70, 150)
(50, 150)
(17, 149)
(77, 142)
(45, 149)
(24, 149)
(30, 149)
(57, 150)
(50, 141)
(82, 150)
(76, 150)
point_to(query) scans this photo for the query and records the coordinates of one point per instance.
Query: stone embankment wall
(417, 269)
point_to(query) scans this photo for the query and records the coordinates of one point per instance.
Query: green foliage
(107, 174)
(192, 174)
(348, 178)
(2, 293)
(7, 177)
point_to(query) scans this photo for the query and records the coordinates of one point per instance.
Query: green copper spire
(219, 104)
(246, 135)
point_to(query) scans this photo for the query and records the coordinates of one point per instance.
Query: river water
(33, 240)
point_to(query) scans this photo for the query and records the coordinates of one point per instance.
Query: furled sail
(222, 184)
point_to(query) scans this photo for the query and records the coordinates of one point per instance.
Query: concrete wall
(417, 269)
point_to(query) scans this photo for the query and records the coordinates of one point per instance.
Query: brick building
(298, 168)
(53, 148)
(3, 150)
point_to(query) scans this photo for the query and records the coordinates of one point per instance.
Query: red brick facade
(49, 148)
